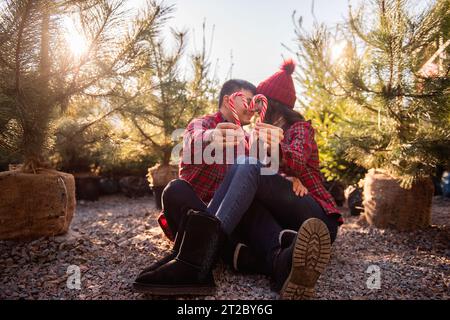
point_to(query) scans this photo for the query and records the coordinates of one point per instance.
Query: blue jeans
(244, 183)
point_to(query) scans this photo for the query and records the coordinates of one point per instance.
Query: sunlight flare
(337, 51)
(76, 41)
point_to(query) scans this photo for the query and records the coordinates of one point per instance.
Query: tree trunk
(387, 205)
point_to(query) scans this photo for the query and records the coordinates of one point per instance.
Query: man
(202, 178)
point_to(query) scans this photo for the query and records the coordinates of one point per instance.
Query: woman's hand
(297, 186)
(271, 135)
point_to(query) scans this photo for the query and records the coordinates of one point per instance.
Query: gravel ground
(112, 239)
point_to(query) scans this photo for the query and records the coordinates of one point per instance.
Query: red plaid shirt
(300, 158)
(204, 178)
(299, 154)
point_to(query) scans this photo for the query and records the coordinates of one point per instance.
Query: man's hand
(227, 134)
(269, 134)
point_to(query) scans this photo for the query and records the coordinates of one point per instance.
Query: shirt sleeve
(296, 153)
(197, 137)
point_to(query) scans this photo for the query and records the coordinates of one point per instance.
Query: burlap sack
(387, 205)
(161, 175)
(35, 205)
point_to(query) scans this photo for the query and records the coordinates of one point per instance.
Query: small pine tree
(39, 74)
(164, 99)
(327, 111)
(392, 115)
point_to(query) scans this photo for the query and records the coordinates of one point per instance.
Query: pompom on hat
(280, 86)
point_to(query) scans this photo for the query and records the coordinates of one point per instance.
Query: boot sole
(312, 250)
(173, 290)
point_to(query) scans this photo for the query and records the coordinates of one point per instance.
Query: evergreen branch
(116, 109)
(146, 136)
(18, 50)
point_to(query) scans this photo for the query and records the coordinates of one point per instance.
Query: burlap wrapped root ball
(387, 205)
(161, 175)
(158, 177)
(35, 205)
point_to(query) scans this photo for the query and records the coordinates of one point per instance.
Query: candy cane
(233, 108)
(256, 101)
(259, 99)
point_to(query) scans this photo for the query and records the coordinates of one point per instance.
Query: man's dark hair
(234, 85)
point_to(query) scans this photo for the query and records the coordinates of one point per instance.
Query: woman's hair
(276, 109)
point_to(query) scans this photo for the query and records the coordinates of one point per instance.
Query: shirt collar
(219, 117)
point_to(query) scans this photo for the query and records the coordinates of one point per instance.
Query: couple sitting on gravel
(280, 224)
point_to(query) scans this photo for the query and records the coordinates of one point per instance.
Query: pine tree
(39, 75)
(327, 111)
(165, 99)
(391, 114)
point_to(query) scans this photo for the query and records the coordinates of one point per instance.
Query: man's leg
(311, 248)
(177, 198)
(297, 268)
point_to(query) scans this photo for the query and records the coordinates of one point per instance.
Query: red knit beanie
(280, 86)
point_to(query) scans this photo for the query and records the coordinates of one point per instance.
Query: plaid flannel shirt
(300, 158)
(204, 178)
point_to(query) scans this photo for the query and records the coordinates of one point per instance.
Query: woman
(296, 263)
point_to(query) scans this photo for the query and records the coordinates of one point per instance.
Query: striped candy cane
(233, 107)
(258, 100)
(258, 104)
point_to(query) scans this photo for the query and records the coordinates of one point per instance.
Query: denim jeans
(244, 183)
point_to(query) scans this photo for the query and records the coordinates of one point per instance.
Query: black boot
(286, 237)
(190, 272)
(172, 254)
(246, 261)
(298, 267)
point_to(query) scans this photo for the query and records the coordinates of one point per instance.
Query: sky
(252, 31)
